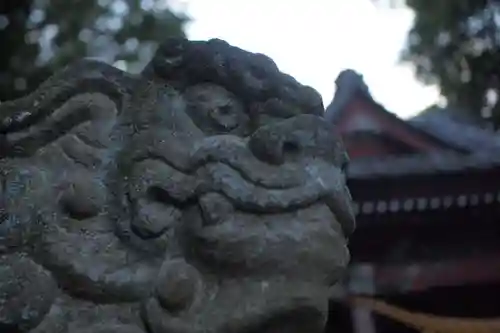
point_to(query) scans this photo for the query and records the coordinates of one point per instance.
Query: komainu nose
(296, 138)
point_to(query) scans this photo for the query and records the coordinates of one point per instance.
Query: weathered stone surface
(205, 195)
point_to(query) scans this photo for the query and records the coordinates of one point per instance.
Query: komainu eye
(215, 110)
(224, 117)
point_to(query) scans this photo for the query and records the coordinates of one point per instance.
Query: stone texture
(205, 195)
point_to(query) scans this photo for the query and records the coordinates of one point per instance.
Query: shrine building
(427, 196)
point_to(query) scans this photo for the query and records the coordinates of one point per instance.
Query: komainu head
(205, 195)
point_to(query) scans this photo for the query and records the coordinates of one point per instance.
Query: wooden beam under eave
(419, 277)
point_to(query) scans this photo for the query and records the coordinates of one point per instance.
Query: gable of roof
(442, 126)
(473, 147)
(351, 87)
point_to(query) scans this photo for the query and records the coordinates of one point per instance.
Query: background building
(427, 194)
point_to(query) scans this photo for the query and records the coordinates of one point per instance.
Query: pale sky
(314, 40)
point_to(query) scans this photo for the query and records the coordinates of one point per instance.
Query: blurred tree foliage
(456, 45)
(39, 36)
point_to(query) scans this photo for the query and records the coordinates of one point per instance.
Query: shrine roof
(454, 129)
(473, 147)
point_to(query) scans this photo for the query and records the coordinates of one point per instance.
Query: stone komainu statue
(205, 195)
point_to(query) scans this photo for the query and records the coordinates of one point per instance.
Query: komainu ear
(85, 92)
